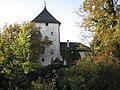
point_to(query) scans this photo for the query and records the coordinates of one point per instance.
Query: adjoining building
(76, 50)
(50, 27)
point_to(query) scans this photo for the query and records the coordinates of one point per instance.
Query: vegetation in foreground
(19, 68)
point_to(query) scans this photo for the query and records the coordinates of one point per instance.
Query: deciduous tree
(17, 45)
(103, 19)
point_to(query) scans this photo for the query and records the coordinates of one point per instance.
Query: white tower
(50, 27)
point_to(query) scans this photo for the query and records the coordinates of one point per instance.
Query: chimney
(67, 43)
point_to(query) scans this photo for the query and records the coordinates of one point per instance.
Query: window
(51, 59)
(51, 33)
(42, 59)
(52, 52)
(46, 24)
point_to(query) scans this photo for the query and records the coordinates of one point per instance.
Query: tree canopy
(103, 19)
(18, 45)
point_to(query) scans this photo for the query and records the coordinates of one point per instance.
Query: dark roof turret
(45, 17)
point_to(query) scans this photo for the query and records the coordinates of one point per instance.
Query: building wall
(52, 31)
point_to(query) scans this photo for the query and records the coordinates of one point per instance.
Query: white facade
(52, 31)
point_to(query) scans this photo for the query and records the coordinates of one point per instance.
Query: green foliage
(37, 85)
(50, 77)
(14, 49)
(18, 45)
(87, 75)
(103, 20)
(70, 56)
(37, 43)
(26, 67)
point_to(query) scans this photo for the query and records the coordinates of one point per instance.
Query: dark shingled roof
(74, 46)
(45, 17)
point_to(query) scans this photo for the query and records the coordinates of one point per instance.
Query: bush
(87, 75)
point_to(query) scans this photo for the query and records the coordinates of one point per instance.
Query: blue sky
(12, 11)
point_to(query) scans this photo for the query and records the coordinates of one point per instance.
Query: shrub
(87, 75)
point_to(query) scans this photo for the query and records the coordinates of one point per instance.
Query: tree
(103, 19)
(17, 44)
(87, 75)
(37, 43)
(14, 48)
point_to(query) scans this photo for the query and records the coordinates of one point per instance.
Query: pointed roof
(45, 17)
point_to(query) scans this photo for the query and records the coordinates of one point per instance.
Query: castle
(50, 27)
